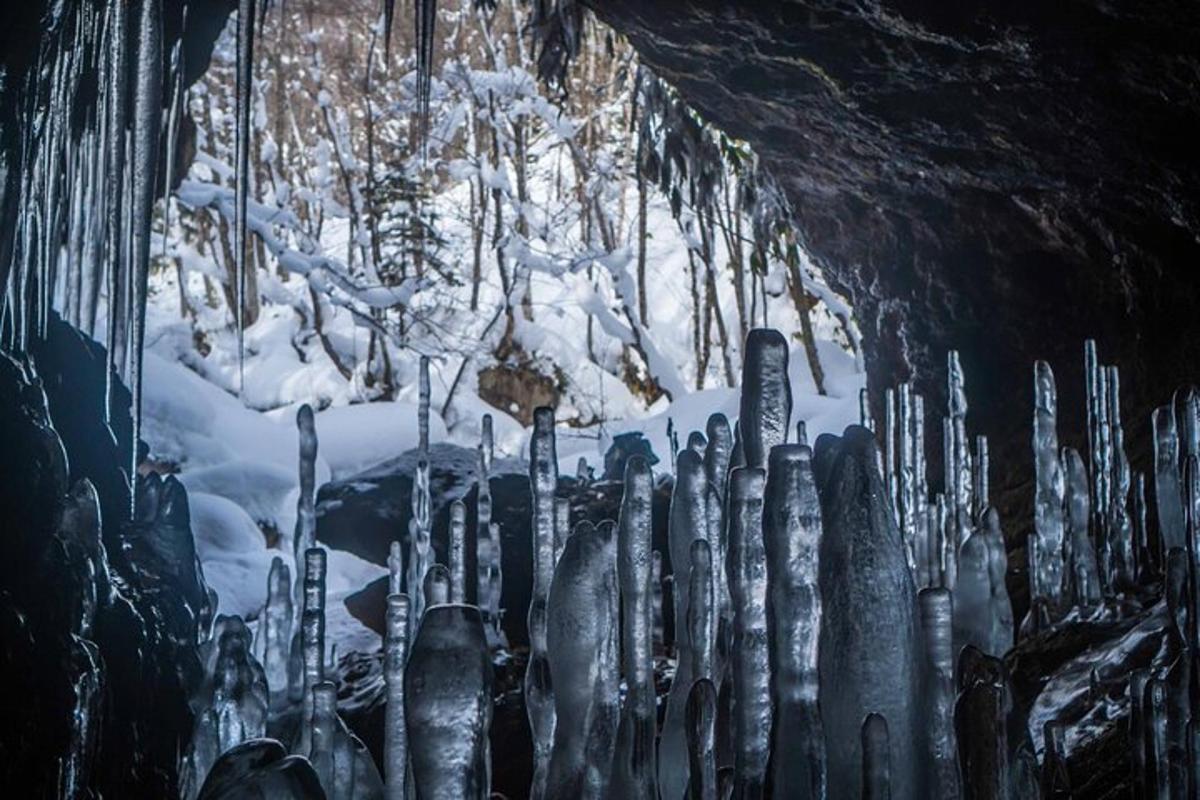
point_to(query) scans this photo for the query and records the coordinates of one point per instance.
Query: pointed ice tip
(304, 417)
(764, 338)
(637, 473)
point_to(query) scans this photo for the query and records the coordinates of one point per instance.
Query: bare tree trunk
(804, 303)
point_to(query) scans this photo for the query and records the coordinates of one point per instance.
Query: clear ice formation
(792, 539)
(305, 534)
(582, 646)
(869, 644)
(982, 610)
(539, 691)
(395, 564)
(244, 91)
(1168, 494)
(1046, 542)
(634, 771)
(1083, 574)
(656, 602)
(958, 467)
(423, 404)
(751, 673)
(936, 622)
(436, 586)
(876, 766)
(419, 548)
(448, 705)
(276, 622)
(702, 617)
(312, 642)
(701, 716)
(457, 552)
(687, 522)
(766, 404)
(562, 525)
(342, 762)
(233, 701)
(395, 734)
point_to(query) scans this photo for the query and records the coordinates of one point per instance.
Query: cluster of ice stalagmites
(839, 631)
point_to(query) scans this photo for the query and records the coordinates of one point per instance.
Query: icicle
(277, 627)
(869, 650)
(766, 404)
(395, 737)
(582, 645)
(686, 523)
(1047, 541)
(876, 762)
(937, 623)
(634, 764)
(304, 535)
(791, 540)
(457, 555)
(448, 712)
(539, 693)
(426, 15)
(174, 111)
(1084, 575)
(747, 573)
(245, 102)
(117, 118)
(1167, 493)
(701, 740)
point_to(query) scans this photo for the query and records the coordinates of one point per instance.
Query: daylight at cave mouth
(558, 399)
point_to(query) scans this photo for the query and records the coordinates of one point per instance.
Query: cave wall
(1006, 179)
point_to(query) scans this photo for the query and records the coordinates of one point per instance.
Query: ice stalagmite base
(791, 539)
(634, 774)
(869, 645)
(582, 646)
(448, 705)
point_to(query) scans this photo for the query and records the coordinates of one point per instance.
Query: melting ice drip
(839, 631)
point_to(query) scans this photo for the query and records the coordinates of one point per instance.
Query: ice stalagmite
(1097, 429)
(562, 525)
(908, 490)
(423, 404)
(448, 705)
(539, 692)
(792, 540)
(245, 102)
(634, 763)
(304, 535)
(701, 739)
(766, 405)
(418, 538)
(1168, 494)
(582, 645)
(1120, 525)
(395, 564)
(702, 616)
(980, 488)
(342, 762)
(980, 718)
(323, 724)
(958, 457)
(457, 552)
(687, 522)
(312, 640)
(890, 483)
(869, 646)
(1083, 574)
(718, 452)
(656, 603)
(747, 570)
(982, 611)
(876, 766)
(147, 125)
(697, 442)
(1158, 776)
(436, 586)
(395, 736)
(277, 627)
(1046, 544)
(937, 625)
